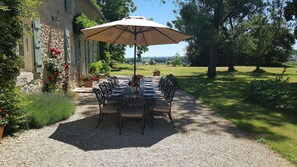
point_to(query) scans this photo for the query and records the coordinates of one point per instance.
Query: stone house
(54, 28)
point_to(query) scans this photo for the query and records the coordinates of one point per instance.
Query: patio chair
(104, 108)
(131, 106)
(162, 107)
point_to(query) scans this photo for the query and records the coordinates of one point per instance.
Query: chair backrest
(99, 96)
(104, 90)
(108, 87)
(170, 92)
(132, 101)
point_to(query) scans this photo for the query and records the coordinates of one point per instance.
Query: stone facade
(56, 17)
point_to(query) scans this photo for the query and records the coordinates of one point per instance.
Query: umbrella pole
(135, 57)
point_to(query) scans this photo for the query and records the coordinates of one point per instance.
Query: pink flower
(1, 110)
(6, 115)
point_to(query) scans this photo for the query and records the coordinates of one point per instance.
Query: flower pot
(88, 84)
(1, 132)
(96, 78)
(156, 73)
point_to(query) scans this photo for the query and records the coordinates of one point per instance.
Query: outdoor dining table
(146, 89)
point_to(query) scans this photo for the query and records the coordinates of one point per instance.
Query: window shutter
(68, 5)
(87, 60)
(37, 46)
(94, 50)
(78, 53)
(67, 50)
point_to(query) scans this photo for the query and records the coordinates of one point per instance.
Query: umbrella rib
(144, 38)
(165, 35)
(123, 30)
(100, 32)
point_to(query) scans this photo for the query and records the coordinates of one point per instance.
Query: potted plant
(156, 72)
(94, 69)
(3, 121)
(87, 80)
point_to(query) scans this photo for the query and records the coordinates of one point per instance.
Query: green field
(225, 95)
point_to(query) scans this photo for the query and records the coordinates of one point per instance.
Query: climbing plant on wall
(81, 21)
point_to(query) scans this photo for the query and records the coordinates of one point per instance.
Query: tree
(291, 13)
(115, 10)
(268, 38)
(207, 18)
(141, 50)
(177, 61)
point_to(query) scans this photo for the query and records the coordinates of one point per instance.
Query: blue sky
(161, 13)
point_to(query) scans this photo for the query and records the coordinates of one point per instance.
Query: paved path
(201, 138)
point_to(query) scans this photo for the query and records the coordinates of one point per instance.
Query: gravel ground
(201, 138)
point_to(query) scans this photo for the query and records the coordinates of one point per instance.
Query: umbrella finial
(134, 17)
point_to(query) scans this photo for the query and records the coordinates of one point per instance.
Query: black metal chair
(131, 106)
(163, 106)
(104, 108)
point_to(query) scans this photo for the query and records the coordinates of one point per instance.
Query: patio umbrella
(134, 30)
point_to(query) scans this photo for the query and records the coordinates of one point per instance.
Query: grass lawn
(225, 96)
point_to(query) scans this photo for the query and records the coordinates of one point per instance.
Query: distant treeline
(222, 61)
(160, 60)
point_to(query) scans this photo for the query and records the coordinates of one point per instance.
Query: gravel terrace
(202, 138)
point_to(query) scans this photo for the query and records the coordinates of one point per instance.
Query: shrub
(95, 67)
(46, 109)
(279, 95)
(105, 68)
(12, 102)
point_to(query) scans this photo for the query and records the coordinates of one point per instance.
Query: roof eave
(94, 7)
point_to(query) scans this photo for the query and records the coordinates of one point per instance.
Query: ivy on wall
(81, 21)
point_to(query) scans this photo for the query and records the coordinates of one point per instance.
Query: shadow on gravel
(84, 135)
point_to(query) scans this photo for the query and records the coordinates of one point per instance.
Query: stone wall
(52, 31)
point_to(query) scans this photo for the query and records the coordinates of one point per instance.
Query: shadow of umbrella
(83, 134)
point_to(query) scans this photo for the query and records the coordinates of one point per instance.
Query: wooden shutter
(68, 5)
(37, 46)
(67, 50)
(98, 51)
(94, 50)
(78, 53)
(87, 57)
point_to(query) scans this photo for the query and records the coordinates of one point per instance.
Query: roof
(91, 4)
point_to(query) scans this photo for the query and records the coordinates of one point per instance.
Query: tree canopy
(225, 32)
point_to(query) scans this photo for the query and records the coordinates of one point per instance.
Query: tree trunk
(230, 63)
(258, 68)
(211, 72)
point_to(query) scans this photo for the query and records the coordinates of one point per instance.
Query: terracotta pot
(96, 78)
(88, 84)
(1, 132)
(156, 73)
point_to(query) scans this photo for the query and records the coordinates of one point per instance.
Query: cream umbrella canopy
(134, 30)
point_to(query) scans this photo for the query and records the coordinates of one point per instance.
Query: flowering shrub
(3, 117)
(58, 71)
(87, 77)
